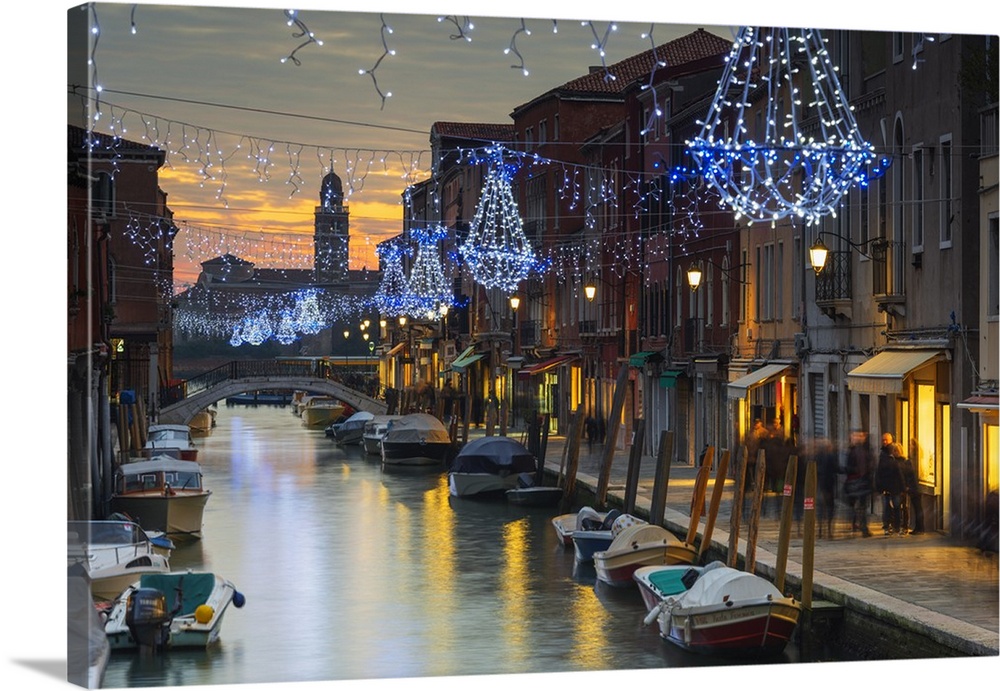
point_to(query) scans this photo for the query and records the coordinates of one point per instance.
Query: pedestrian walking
(827, 468)
(889, 483)
(857, 483)
(591, 426)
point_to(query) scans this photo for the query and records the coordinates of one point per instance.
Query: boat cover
(160, 463)
(715, 584)
(417, 428)
(195, 588)
(494, 455)
(358, 419)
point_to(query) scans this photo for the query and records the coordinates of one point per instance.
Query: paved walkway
(944, 590)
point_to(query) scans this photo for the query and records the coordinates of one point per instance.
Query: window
(898, 43)
(993, 269)
(710, 296)
(103, 195)
(918, 198)
(779, 282)
(528, 139)
(765, 282)
(535, 208)
(678, 284)
(744, 284)
(864, 204)
(725, 291)
(555, 127)
(945, 192)
(543, 131)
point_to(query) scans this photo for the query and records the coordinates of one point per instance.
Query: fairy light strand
(386, 52)
(303, 31)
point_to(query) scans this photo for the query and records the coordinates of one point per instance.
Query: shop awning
(668, 379)
(884, 373)
(739, 387)
(395, 349)
(545, 365)
(466, 358)
(981, 403)
(640, 359)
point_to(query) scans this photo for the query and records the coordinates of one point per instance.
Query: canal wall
(849, 620)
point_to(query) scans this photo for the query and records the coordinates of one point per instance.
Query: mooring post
(785, 527)
(661, 481)
(713, 507)
(736, 513)
(634, 460)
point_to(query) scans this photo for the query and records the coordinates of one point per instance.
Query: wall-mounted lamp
(590, 291)
(872, 249)
(382, 323)
(695, 272)
(402, 320)
(515, 302)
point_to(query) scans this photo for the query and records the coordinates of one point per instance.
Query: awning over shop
(395, 349)
(466, 358)
(668, 379)
(640, 359)
(739, 387)
(981, 403)
(884, 373)
(545, 365)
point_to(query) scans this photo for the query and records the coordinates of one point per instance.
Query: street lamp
(590, 291)
(347, 334)
(515, 302)
(402, 320)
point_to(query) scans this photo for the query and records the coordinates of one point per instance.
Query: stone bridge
(182, 403)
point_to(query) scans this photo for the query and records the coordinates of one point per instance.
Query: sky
(236, 61)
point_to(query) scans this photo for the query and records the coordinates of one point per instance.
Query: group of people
(890, 474)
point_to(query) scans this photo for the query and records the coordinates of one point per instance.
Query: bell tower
(331, 239)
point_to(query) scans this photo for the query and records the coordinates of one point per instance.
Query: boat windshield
(168, 435)
(108, 532)
(177, 479)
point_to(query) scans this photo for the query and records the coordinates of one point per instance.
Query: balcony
(833, 286)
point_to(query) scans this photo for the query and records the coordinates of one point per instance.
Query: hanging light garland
(496, 251)
(393, 297)
(780, 168)
(428, 284)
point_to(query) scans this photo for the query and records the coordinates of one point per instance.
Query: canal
(351, 572)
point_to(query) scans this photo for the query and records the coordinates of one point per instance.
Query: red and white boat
(636, 545)
(718, 610)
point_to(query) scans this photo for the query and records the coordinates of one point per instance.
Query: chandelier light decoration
(393, 297)
(428, 284)
(794, 148)
(496, 251)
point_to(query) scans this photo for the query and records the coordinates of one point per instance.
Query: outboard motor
(148, 619)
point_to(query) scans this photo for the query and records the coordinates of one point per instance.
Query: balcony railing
(834, 281)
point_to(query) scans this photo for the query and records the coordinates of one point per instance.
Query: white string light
(779, 170)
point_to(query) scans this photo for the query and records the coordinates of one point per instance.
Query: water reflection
(353, 572)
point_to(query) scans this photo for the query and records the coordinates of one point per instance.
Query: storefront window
(925, 439)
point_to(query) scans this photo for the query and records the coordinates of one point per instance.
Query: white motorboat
(374, 431)
(489, 466)
(718, 610)
(162, 493)
(170, 440)
(181, 609)
(639, 544)
(116, 553)
(350, 430)
(416, 439)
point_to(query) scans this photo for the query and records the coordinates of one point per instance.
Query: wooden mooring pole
(698, 496)
(572, 457)
(611, 438)
(661, 481)
(713, 507)
(785, 527)
(753, 524)
(634, 460)
(736, 514)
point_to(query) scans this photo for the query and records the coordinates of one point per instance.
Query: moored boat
(374, 431)
(115, 553)
(319, 412)
(351, 430)
(171, 610)
(162, 493)
(170, 440)
(526, 493)
(639, 544)
(718, 610)
(488, 466)
(594, 533)
(416, 439)
(202, 423)
(565, 524)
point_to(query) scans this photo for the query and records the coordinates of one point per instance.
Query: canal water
(355, 572)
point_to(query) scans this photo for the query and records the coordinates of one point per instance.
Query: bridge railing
(245, 369)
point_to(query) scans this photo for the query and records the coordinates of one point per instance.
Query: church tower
(331, 240)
